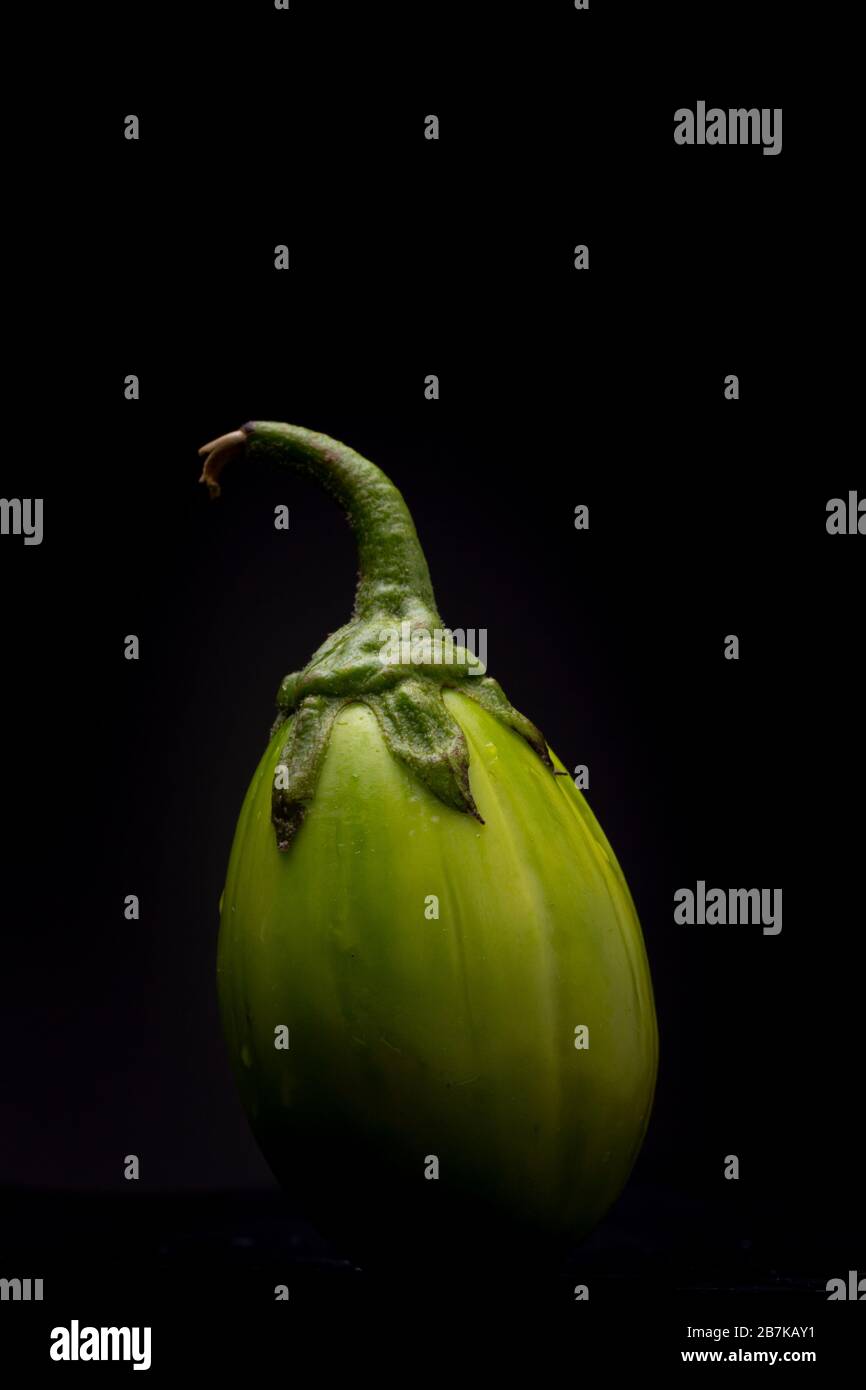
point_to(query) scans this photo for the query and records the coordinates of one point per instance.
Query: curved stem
(393, 578)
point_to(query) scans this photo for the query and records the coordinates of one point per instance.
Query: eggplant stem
(393, 578)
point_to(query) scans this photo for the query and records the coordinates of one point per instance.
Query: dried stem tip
(216, 455)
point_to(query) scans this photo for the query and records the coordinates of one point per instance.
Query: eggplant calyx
(394, 655)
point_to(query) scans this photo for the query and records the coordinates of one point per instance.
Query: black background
(410, 257)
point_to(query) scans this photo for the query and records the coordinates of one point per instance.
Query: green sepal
(297, 772)
(488, 693)
(418, 730)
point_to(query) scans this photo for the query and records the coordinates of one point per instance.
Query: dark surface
(202, 1271)
(655, 1243)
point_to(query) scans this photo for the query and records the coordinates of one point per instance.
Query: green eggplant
(432, 978)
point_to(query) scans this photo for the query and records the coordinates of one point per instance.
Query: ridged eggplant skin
(412, 1036)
